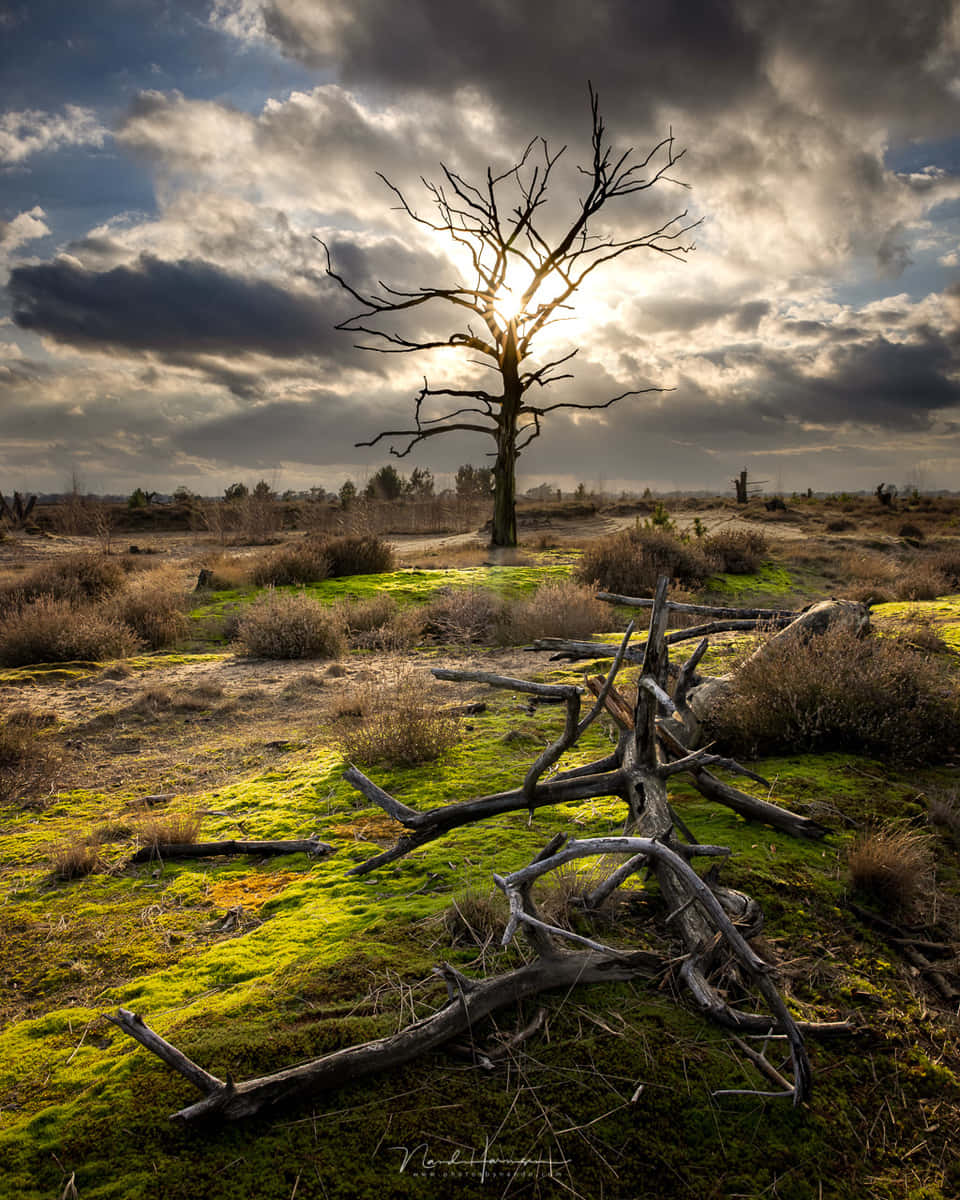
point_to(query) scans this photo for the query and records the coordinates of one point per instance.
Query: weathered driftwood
(311, 846)
(754, 614)
(713, 923)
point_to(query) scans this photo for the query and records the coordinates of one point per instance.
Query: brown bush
(735, 551)
(891, 864)
(630, 562)
(51, 630)
(563, 609)
(400, 724)
(154, 606)
(464, 615)
(873, 695)
(290, 625)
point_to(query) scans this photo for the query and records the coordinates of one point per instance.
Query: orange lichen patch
(250, 891)
(369, 828)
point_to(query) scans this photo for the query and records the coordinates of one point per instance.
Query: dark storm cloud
(685, 313)
(171, 307)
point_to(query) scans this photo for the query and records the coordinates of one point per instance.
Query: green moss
(769, 580)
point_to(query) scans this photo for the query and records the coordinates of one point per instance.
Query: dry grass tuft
(280, 625)
(73, 860)
(399, 723)
(28, 765)
(476, 918)
(894, 865)
(168, 829)
(735, 551)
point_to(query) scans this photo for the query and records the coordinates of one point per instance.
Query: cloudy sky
(166, 318)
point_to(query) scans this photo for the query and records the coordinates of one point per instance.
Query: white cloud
(33, 131)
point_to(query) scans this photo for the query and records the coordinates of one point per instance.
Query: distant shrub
(305, 561)
(563, 609)
(630, 562)
(873, 695)
(400, 724)
(892, 865)
(947, 562)
(154, 606)
(735, 551)
(51, 630)
(290, 626)
(464, 615)
(913, 533)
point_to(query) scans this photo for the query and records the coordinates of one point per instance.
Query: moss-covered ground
(249, 965)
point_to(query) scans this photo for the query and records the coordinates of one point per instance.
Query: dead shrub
(154, 606)
(73, 860)
(735, 551)
(464, 615)
(892, 864)
(911, 532)
(943, 809)
(400, 724)
(285, 625)
(873, 695)
(630, 562)
(50, 630)
(563, 609)
(167, 829)
(947, 562)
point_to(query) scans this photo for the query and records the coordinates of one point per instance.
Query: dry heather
(464, 615)
(874, 695)
(154, 605)
(50, 630)
(630, 562)
(281, 625)
(562, 609)
(317, 557)
(399, 723)
(380, 623)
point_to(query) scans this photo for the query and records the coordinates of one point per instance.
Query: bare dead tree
(523, 281)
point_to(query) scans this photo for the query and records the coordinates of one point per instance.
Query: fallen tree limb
(311, 846)
(754, 614)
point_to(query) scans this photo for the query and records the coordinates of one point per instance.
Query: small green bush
(630, 562)
(283, 625)
(872, 695)
(50, 630)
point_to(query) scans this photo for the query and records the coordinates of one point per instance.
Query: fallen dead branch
(311, 846)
